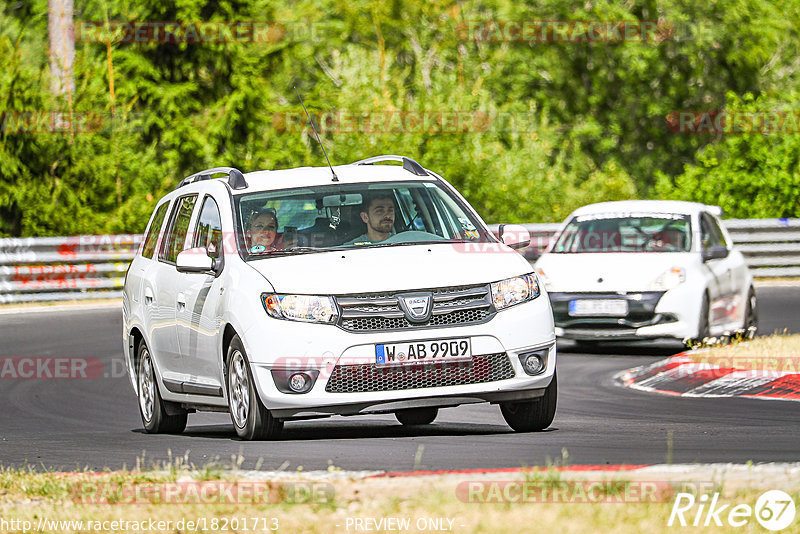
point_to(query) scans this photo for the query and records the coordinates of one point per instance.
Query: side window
(716, 229)
(710, 234)
(179, 225)
(154, 231)
(209, 229)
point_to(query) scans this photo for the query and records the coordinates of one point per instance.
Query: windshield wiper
(294, 250)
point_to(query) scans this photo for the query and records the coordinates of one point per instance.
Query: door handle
(148, 296)
(181, 299)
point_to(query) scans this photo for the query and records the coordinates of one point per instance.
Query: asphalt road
(73, 424)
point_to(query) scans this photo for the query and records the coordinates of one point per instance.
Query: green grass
(26, 494)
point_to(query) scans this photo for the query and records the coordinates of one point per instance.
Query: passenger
(262, 232)
(377, 212)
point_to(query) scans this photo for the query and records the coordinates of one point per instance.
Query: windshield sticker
(466, 224)
(472, 234)
(257, 249)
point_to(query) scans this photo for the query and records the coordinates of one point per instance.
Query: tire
(703, 325)
(250, 417)
(416, 416)
(534, 415)
(751, 315)
(158, 416)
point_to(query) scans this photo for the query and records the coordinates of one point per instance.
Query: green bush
(565, 123)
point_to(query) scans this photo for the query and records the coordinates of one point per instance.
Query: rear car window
(179, 226)
(154, 231)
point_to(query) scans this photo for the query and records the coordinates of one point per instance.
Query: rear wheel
(751, 315)
(532, 415)
(158, 416)
(250, 417)
(416, 416)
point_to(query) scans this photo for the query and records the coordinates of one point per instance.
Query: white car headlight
(515, 290)
(307, 308)
(672, 277)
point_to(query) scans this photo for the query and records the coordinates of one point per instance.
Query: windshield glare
(294, 221)
(626, 233)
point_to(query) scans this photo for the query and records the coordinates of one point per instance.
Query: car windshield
(629, 232)
(301, 220)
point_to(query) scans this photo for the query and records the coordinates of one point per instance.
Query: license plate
(607, 307)
(411, 352)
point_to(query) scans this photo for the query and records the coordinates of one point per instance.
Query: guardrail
(90, 267)
(64, 268)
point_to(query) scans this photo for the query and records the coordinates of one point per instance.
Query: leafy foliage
(549, 125)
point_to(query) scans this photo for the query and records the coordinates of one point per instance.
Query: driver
(262, 232)
(669, 239)
(377, 212)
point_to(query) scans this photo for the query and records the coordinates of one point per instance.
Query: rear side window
(179, 226)
(154, 231)
(209, 229)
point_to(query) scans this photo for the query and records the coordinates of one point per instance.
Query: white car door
(143, 271)
(198, 313)
(166, 282)
(720, 286)
(738, 283)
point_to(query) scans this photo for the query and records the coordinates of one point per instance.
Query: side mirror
(515, 236)
(195, 260)
(715, 253)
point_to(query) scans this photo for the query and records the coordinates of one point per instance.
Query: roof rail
(408, 164)
(235, 177)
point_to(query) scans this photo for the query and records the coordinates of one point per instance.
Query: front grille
(461, 305)
(361, 378)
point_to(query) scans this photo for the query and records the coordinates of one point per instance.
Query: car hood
(613, 272)
(396, 268)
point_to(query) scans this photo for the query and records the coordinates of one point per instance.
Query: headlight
(669, 279)
(514, 290)
(308, 308)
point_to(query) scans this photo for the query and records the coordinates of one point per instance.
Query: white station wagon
(644, 269)
(311, 292)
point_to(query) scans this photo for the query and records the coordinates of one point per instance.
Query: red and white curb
(680, 375)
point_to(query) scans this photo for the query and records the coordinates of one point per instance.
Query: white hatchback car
(647, 269)
(302, 293)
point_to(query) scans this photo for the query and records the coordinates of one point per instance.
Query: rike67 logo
(774, 510)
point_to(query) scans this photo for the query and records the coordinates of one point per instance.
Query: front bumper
(651, 314)
(302, 346)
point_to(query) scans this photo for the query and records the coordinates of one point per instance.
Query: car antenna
(335, 178)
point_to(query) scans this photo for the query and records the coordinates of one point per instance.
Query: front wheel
(751, 315)
(533, 415)
(703, 325)
(250, 417)
(158, 416)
